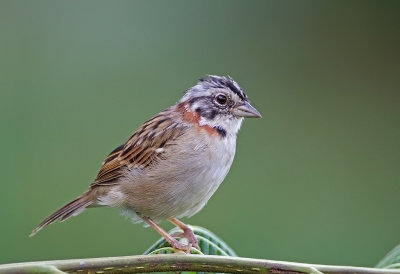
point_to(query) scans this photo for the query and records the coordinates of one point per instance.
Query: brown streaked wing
(140, 149)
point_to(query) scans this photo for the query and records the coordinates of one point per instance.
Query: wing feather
(140, 149)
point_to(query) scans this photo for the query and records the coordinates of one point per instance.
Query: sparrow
(173, 163)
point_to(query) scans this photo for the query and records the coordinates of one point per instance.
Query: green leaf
(391, 260)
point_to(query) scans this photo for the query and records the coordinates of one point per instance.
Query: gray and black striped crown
(213, 81)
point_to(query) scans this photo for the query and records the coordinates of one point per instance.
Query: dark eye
(221, 99)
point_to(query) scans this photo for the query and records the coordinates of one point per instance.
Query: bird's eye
(221, 99)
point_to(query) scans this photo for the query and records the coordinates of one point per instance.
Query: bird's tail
(71, 209)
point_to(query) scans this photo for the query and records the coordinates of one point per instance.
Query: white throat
(230, 125)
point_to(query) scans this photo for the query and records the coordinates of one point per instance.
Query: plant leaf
(391, 260)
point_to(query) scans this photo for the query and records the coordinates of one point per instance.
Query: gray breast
(182, 182)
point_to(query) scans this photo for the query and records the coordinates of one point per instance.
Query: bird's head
(220, 103)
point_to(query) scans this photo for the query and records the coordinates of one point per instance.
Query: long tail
(71, 209)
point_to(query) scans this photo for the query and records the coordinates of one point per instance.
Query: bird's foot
(188, 234)
(180, 246)
(170, 239)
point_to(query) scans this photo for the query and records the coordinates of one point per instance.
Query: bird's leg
(187, 232)
(171, 240)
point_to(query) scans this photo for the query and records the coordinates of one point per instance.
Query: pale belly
(177, 187)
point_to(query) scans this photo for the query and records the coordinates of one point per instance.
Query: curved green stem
(180, 262)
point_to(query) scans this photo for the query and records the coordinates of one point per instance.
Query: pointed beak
(246, 110)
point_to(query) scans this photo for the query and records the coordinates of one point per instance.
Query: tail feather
(71, 209)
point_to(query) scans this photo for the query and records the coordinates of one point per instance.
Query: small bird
(171, 166)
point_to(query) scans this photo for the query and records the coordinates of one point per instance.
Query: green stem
(180, 262)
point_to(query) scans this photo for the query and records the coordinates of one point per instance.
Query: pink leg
(187, 232)
(171, 240)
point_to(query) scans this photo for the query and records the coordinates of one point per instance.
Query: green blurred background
(316, 180)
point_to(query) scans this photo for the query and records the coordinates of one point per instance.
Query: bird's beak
(246, 110)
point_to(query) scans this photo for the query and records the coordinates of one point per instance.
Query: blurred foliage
(391, 260)
(315, 180)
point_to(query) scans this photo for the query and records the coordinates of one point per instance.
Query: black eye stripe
(207, 113)
(198, 98)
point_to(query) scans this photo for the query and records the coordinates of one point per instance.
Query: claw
(178, 245)
(188, 234)
(172, 241)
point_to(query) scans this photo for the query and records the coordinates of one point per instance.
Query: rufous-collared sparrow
(171, 166)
